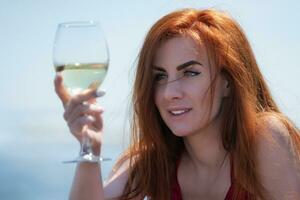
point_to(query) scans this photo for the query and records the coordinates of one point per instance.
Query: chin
(181, 132)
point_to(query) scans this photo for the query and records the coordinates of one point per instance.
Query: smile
(179, 112)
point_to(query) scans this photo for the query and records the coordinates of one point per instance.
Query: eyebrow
(179, 67)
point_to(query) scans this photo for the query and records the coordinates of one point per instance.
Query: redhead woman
(204, 126)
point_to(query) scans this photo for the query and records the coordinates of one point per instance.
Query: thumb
(60, 90)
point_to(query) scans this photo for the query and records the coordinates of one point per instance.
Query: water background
(31, 161)
(36, 171)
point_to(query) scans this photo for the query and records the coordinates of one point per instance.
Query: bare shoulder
(277, 161)
(273, 140)
(272, 127)
(114, 185)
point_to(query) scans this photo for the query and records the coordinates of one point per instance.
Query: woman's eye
(159, 77)
(191, 73)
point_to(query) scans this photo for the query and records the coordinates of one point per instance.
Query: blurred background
(34, 138)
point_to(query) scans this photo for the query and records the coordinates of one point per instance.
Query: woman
(204, 124)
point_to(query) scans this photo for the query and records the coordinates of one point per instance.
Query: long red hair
(154, 150)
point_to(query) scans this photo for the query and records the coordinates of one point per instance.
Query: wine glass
(80, 54)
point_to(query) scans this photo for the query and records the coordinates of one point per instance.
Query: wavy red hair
(154, 150)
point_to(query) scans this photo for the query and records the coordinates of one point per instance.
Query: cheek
(216, 100)
(157, 97)
(198, 92)
(207, 101)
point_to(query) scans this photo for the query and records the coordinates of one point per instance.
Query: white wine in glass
(80, 54)
(78, 77)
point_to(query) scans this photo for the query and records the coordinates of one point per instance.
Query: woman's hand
(83, 116)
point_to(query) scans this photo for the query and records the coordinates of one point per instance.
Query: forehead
(178, 50)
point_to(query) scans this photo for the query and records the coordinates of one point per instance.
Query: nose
(172, 90)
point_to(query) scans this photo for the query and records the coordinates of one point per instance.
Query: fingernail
(100, 93)
(94, 107)
(91, 118)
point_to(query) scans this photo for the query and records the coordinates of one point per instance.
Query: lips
(179, 111)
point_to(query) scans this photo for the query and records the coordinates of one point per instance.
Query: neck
(205, 148)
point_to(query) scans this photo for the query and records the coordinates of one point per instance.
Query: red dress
(176, 192)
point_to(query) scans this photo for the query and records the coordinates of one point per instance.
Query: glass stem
(86, 146)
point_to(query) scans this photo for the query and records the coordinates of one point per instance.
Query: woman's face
(182, 77)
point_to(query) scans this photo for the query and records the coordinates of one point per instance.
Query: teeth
(178, 112)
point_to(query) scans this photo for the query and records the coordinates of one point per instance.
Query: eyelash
(191, 73)
(188, 73)
(158, 77)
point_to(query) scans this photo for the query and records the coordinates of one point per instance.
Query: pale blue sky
(27, 32)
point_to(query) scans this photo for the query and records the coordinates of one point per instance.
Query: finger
(77, 126)
(81, 98)
(60, 90)
(99, 122)
(83, 109)
(88, 95)
(92, 101)
(96, 140)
